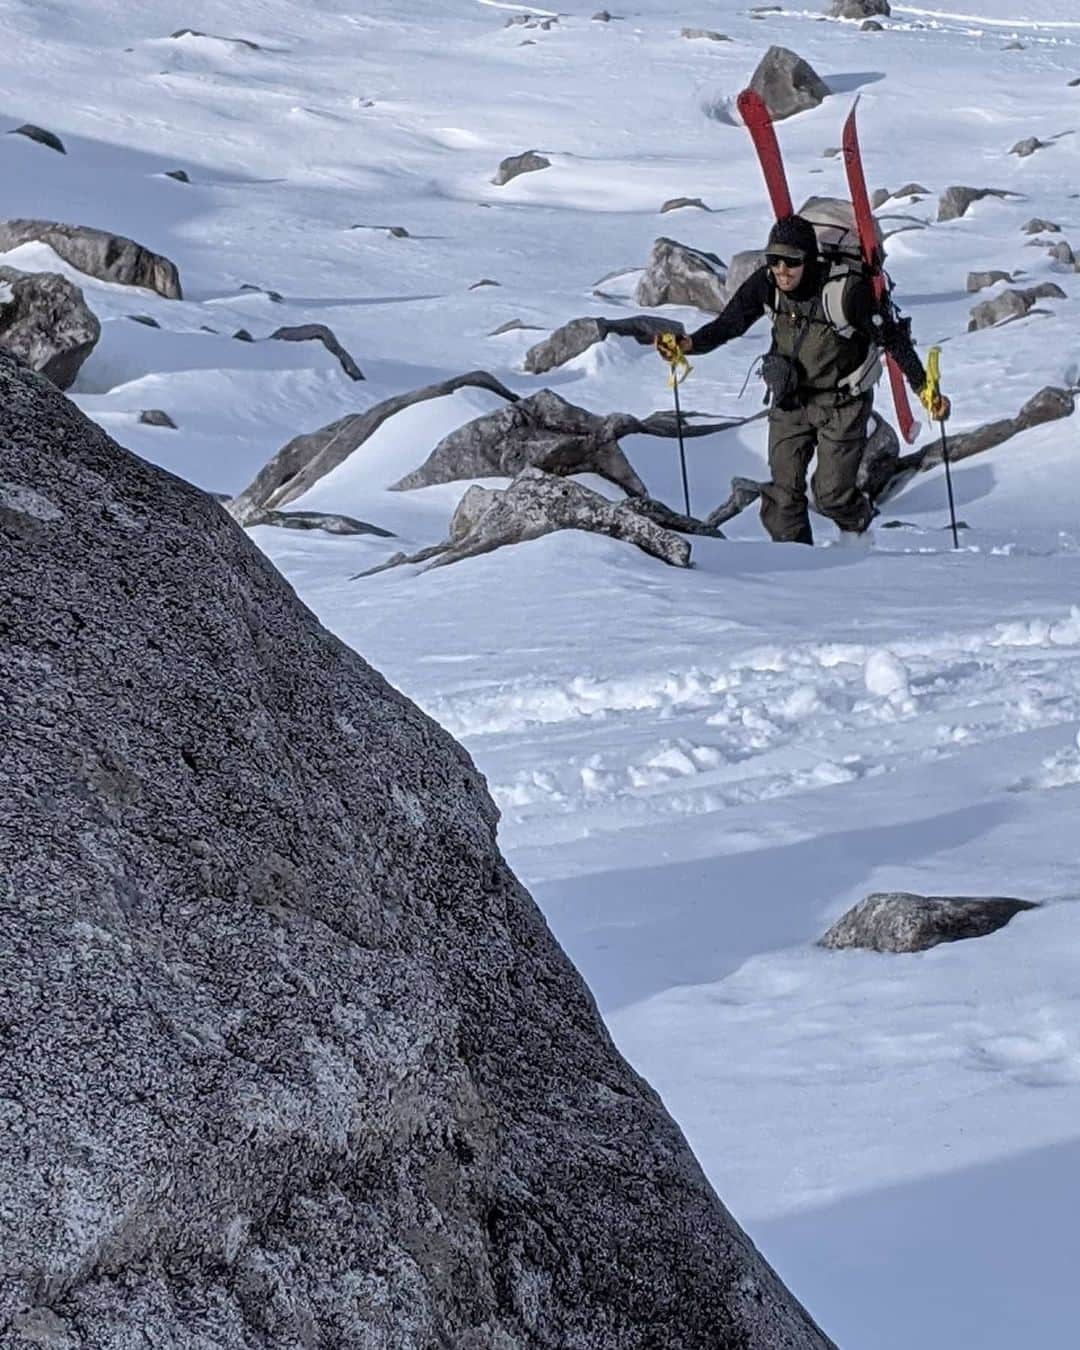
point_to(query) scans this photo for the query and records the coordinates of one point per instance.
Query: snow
(698, 770)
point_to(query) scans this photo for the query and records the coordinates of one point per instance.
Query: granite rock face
(900, 921)
(787, 84)
(288, 1057)
(109, 257)
(45, 322)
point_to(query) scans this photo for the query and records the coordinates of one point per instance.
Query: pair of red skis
(759, 123)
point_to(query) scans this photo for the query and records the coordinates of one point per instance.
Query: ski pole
(929, 395)
(673, 354)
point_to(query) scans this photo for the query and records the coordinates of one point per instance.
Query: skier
(819, 372)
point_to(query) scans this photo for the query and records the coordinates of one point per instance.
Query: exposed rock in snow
(39, 134)
(979, 281)
(549, 433)
(1028, 146)
(742, 265)
(954, 201)
(45, 322)
(327, 521)
(538, 503)
(156, 417)
(579, 335)
(290, 1056)
(109, 257)
(709, 34)
(677, 274)
(1012, 303)
(1038, 226)
(871, 26)
(306, 458)
(214, 37)
(677, 204)
(1062, 252)
(858, 9)
(1048, 405)
(513, 165)
(318, 332)
(899, 921)
(787, 84)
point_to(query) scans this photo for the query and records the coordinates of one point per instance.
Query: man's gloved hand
(940, 408)
(673, 345)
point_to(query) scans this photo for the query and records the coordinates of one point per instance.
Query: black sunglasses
(782, 260)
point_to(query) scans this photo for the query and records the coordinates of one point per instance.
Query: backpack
(838, 244)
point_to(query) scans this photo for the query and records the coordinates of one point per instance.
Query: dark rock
(1011, 304)
(394, 231)
(954, 201)
(543, 431)
(242, 335)
(1028, 147)
(318, 332)
(979, 281)
(787, 84)
(879, 197)
(147, 320)
(1014, 46)
(912, 190)
(741, 267)
(1073, 83)
(155, 417)
(306, 458)
(898, 921)
(275, 297)
(46, 323)
(314, 1014)
(215, 37)
(579, 335)
(744, 492)
(538, 503)
(326, 521)
(708, 34)
(871, 26)
(180, 175)
(514, 165)
(1048, 405)
(677, 203)
(484, 281)
(601, 16)
(879, 458)
(1062, 253)
(515, 326)
(109, 257)
(39, 134)
(677, 274)
(858, 9)
(830, 152)
(1037, 226)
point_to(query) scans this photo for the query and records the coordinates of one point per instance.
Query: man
(820, 372)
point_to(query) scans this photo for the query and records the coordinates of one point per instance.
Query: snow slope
(697, 770)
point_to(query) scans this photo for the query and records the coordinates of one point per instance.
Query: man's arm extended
(744, 308)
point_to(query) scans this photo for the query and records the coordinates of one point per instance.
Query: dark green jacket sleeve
(744, 308)
(886, 328)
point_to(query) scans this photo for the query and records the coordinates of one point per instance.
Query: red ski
(759, 124)
(864, 221)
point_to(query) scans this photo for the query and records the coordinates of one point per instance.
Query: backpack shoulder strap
(832, 301)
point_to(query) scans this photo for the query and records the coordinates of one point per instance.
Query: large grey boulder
(900, 921)
(677, 274)
(579, 335)
(538, 503)
(954, 201)
(288, 1057)
(981, 281)
(742, 266)
(544, 431)
(109, 257)
(45, 322)
(787, 84)
(1011, 303)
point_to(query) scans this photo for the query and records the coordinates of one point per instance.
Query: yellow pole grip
(932, 387)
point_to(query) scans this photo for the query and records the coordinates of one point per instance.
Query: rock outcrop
(677, 274)
(787, 84)
(45, 322)
(954, 201)
(288, 1057)
(538, 503)
(319, 332)
(41, 135)
(1012, 303)
(109, 257)
(515, 165)
(899, 921)
(579, 335)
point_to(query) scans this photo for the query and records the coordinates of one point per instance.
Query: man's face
(787, 272)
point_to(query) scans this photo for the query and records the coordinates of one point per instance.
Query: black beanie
(793, 232)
